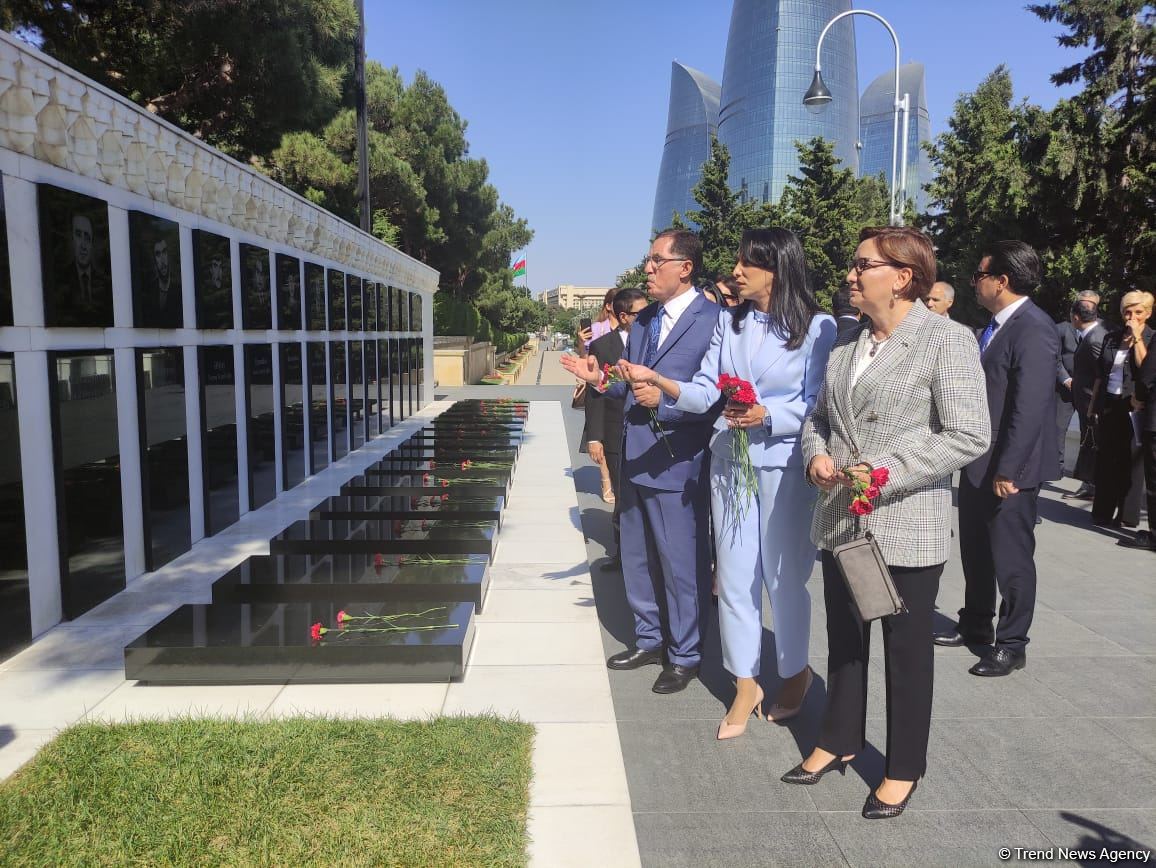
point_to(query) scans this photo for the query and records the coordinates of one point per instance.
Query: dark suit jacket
(1019, 366)
(1069, 340)
(604, 416)
(1108, 357)
(846, 323)
(1146, 387)
(1086, 365)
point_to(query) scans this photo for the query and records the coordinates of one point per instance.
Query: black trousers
(909, 661)
(1085, 470)
(1064, 412)
(1148, 452)
(1119, 467)
(997, 544)
(614, 468)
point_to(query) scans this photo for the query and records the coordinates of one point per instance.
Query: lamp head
(817, 97)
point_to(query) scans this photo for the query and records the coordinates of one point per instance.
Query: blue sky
(566, 99)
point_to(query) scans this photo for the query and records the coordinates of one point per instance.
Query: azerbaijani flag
(519, 267)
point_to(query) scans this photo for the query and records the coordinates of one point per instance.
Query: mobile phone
(584, 323)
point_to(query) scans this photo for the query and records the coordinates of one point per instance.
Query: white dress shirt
(672, 310)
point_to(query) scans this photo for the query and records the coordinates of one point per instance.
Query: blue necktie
(653, 334)
(985, 337)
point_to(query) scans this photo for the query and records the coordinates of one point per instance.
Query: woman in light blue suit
(777, 340)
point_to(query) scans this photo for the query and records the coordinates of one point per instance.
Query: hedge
(453, 317)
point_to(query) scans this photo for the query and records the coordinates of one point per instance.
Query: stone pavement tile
(1051, 763)
(535, 694)
(80, 648)
(1056, 634)
(138, 609)
(529, 547)
(19, 746)
(136, 701)
(932, 839)
(1077, 590)
(541, 521)
(1101, 686)
(514, 643)
(564, 604)
(44, 699)
(1131, 629)
(401, 701)
(739, 838)
(959, 694)
(582, 836)
(953, 781)
(1138, 732)
(578, 764)
(698, 772)
(1085, 829)
(539, 577)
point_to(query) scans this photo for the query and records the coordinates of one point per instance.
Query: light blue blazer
(786, 381)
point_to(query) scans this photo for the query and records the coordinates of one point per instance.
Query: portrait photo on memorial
(156, 271)
(256, 298)
(74, 256)
(213, 280)
(288, 292)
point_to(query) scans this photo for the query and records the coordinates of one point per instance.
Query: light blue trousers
(768, 545)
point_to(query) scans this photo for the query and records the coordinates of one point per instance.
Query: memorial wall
(181, 340)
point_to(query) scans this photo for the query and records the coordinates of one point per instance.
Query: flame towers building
(691, 120)
(876, 110)
(770, 58)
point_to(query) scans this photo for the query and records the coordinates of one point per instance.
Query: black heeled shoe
(873, 809)
(799, 775)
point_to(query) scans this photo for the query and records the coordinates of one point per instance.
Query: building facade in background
(691, 121)
(770, 59)
(575, 297)
(876, 115)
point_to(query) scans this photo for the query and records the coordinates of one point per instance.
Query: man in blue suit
(998, 492)
(665, 496)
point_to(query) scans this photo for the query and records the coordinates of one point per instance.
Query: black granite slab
(360, 486)
(434, 535)
(419, 462)
(452, 470)
(271, 643)
(410, 506)
(477, 424)
(302, 578)
(451, 452)
(453, 435)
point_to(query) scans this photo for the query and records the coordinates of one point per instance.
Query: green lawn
(304, 791)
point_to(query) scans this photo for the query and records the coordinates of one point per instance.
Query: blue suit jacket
(645, 459)
(1019, 366)
(786, 381)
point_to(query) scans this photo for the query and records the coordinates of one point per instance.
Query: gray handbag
(868, 579)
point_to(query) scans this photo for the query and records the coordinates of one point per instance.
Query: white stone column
(193, 439)
(128, 437)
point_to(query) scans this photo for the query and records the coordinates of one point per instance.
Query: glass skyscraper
(876, 115)
(770, 59)
(691, 120)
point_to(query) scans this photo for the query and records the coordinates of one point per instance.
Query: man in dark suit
(664, 502)
(846, 314)
(604, 418)
(1089, 335)
(1070, 333)
(998, 492)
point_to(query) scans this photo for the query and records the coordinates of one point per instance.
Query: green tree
(826, 206)
(238, 75)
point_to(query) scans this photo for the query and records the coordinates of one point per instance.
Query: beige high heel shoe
(777, 713)
(734, 730)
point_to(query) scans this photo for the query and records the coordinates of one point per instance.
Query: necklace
(875, 345)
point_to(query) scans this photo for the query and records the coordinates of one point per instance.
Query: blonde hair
(1137, 296)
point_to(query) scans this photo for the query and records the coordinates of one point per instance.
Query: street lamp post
(819, 97)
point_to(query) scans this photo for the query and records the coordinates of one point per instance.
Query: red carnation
(880, 475)
(425, 479)
(445, 483)
(859, 506)
(445, 497)
(317, 631)
(872, 492)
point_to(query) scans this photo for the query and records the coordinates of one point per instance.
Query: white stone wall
(58, 127)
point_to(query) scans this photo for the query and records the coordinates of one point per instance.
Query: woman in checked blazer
(904, 392)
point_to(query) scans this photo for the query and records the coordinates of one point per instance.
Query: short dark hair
(625, 298)
(687, 245)
(1015, 260)
(1084, 311)
(841, 303)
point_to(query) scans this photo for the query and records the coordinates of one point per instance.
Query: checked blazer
(920, 410)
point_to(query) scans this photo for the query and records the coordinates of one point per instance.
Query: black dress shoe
(1000, 661)
(1085, 492)
(675, 678)
(799, 775)
(873, 809)
(634, 658)
(955, 639)
(613, 564)
(1142, 540)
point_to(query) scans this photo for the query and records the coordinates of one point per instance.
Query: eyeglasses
(659, 261)
(977, 276)
(864, 264)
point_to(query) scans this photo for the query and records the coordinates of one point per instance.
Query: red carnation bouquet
(867, 491)
(610, 375)
(738, 391)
